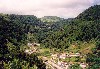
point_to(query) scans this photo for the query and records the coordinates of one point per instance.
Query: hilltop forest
(51, 32)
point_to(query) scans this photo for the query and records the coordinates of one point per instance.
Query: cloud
(40, 8)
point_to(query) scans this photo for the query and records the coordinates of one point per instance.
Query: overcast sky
(40, 8)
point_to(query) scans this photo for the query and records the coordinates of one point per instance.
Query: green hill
(51, 19)
(92, 13)
(75, 30)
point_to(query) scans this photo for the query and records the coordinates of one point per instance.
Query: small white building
(78, 54)
(74, 55)
(37, 44)
(26, 51)
(54, 56)
(29, 44)
(33, 44)
(64, 65)
(83, 65)
(59, 63)
(63, 56)
(32, 48)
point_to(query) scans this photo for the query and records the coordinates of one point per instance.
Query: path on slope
(52, 64)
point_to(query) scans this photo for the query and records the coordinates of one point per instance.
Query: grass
(44, 49)
(45, 52)
(83, 47)
(87, 48)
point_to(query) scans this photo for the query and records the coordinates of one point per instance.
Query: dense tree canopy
(13, 35)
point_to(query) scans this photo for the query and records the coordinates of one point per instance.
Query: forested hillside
(90, 14)
(76, 30)
(51, 19)
(13, 36)
(84, 28)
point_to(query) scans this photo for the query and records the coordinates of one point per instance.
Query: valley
(50, 42)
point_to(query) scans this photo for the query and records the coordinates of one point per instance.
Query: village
(61, 60)
(58, 60)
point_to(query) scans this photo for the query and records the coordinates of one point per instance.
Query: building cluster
(31, 48)
(64, 64)
(65, 55)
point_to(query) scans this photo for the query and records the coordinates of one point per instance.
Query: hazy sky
(40, 8)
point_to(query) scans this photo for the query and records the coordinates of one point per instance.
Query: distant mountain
(70, 19)
(51, 19)
(92, 13)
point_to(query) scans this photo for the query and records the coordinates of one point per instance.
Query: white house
(54, 56)
(83, 65)
(74, 55)
(36, 44)
(59, 63)
(33, 44)
(78, 54)
(26, 51)
(63, 56)
(29, 44)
